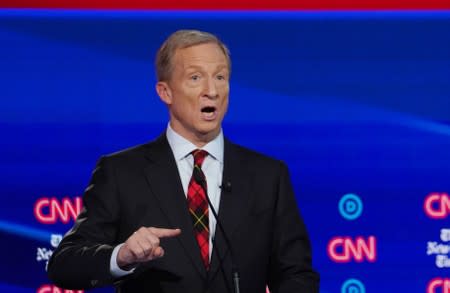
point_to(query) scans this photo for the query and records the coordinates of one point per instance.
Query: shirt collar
(181, 147)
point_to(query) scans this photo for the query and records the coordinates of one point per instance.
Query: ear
(164, 92)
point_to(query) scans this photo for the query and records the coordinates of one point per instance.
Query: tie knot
(199, 157)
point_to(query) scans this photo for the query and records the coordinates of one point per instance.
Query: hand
(143, 245)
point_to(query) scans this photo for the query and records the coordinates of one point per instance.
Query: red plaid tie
(198, 208)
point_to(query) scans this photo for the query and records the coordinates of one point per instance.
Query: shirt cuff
(114, 268)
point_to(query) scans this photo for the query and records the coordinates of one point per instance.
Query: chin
(206, 131)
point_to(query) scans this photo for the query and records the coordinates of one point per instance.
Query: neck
(198, 139)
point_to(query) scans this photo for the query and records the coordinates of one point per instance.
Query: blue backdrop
(355, 103)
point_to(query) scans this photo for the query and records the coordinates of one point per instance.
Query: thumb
(159, 252)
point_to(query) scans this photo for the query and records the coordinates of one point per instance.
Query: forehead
(202, 55)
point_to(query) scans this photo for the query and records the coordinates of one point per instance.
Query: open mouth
(209, 112)
(208, 109)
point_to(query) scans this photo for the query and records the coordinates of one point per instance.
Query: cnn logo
(439, 285)
(437, 205)
(50, 210)
(345, 249)
(54, 289)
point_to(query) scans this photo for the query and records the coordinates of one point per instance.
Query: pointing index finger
(165, 233)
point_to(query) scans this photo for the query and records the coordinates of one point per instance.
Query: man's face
(197, 92)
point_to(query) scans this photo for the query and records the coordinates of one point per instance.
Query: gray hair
(179, 40)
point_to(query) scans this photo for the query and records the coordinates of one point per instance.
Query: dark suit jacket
(141, 187)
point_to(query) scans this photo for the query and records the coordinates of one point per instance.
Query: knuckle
(147, 246)
(135, 253)
(135, 250)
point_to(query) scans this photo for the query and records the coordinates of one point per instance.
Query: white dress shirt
(212, 167)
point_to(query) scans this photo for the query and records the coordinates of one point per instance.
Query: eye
(195, 77)
(220, 77)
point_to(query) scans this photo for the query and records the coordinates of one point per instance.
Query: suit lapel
(164, 180)
(233, 203)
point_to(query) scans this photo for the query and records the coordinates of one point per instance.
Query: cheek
(185, 98)
(225, 94)
(224, 90)
(225, 106)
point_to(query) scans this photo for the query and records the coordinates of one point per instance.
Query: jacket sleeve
(291, 265)
(82, 259)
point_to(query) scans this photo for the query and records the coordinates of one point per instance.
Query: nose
(211, 88)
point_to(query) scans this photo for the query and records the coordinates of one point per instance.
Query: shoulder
(138, 154)
(256, 160)
(130, 152)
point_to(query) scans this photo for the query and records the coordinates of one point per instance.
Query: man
(146, 225)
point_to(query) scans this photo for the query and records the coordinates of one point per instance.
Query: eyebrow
(196, 67)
